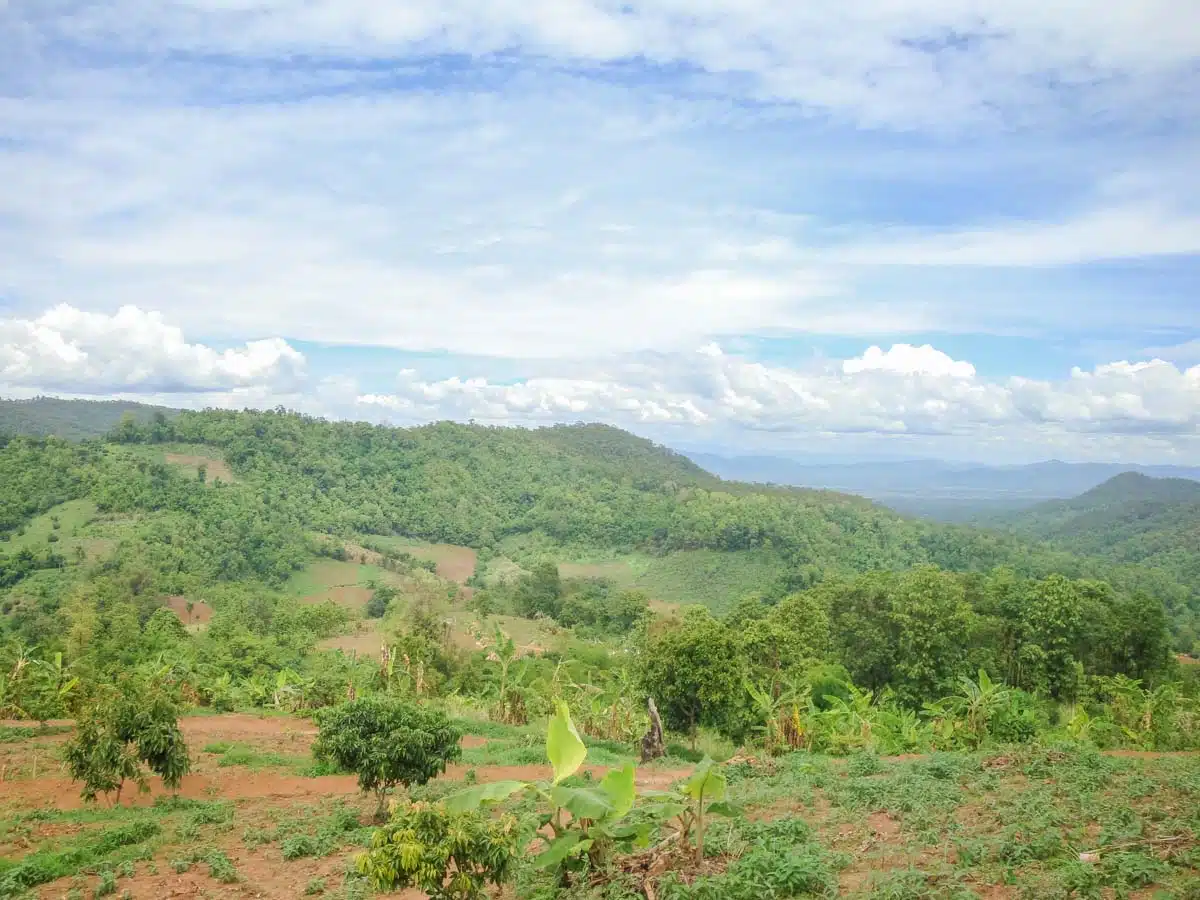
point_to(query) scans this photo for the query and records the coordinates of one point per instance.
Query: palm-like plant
(777, 708)
(967, 714)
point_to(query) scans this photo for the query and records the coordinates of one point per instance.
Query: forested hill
(71, 420)
(1129, 519)
(582, 487)
(587, 486)
(560, 493)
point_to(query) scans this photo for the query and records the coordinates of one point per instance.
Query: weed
(49, 865)
(221, 867)
(315, 886)
(107, 884)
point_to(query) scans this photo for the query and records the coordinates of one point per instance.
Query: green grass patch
(234, 754)
(11, 734)
(109, 846)
(58, 528)
(322, 575)
(708, 577)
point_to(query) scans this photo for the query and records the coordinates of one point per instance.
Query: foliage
(702, 794)
(677, 669)
(451, 855)
(387, 743)
(134, 724)
(596, 814)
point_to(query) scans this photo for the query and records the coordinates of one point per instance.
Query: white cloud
(904, 390)
(1125, 232)
(905, 359)
(924, 62)
(1153, 397)
(133, 350)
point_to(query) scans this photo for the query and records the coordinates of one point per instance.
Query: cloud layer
(561, 200)
(904, 390)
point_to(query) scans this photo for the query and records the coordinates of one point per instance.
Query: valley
(894, 707)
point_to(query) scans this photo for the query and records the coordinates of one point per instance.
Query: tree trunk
(652, 740)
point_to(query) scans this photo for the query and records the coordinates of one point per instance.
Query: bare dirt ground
(201, 612)
(261, 798)
(216, 469)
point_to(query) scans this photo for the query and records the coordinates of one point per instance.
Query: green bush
(386, 743)
(450, 856)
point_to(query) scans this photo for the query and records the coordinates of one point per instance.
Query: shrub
(386, 743)
(446, 854)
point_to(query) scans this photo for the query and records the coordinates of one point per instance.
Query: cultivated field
(258, 818)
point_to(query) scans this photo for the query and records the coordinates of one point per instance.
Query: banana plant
(583, 822)
(702, 795)
(779, 712)
(969, 712)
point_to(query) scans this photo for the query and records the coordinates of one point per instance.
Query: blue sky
(692, 220)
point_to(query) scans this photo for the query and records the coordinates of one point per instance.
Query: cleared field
(215, 468)
(716, 580)
(323, 575)
(190, 612)
(708, 577)
(454, 563)
(59, 528)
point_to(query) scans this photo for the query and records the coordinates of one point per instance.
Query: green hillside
(1130, 519)
(73, 420)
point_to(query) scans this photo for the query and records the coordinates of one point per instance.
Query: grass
(188, 457)
(245, 756)
(71, 517)
(453, 561)
(90, 850)
(11, 734)
(708, 577)
(320, 576)
(312, 833)
(1007, 823)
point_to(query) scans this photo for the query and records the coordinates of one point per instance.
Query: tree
(133, 724)
(694, 672)
(539, 592)
(381, 597)
(1055, 616)
(932, 621)
(387, 743)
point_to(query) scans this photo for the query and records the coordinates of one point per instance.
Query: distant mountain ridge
(935, 488)
(72, 420)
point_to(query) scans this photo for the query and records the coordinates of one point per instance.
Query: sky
(966, 229)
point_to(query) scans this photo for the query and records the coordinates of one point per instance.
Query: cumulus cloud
(905, 359)
(904, 390)
(133, 350)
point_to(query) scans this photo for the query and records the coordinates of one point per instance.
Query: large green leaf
(618, 784)
(582, 803)
(662, 811)
(560, 848)
(564, 747)
(707, 782)
(474, 797)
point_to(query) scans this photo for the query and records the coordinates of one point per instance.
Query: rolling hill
(72, 420)
(1129, 519)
